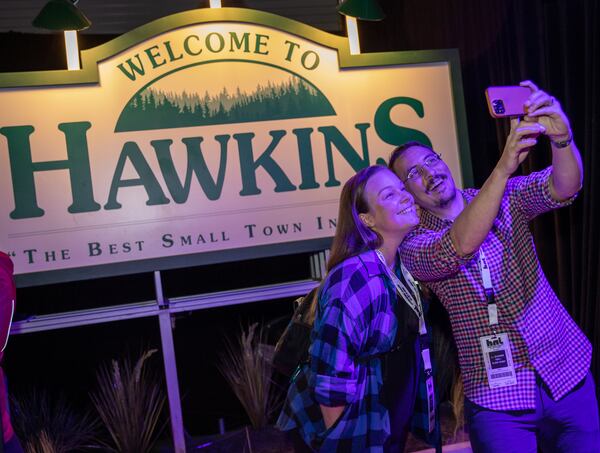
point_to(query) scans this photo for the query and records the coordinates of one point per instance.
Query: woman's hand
(546, 110)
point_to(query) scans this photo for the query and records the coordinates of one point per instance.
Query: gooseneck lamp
(361, 9)
(63, 15)
(358, 9)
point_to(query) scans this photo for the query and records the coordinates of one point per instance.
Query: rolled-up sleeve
(431, 255)
(531, 194)
(337, 341)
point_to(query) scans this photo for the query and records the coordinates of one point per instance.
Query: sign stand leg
(168, 349)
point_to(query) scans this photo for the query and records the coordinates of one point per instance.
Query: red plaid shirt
(544, 338)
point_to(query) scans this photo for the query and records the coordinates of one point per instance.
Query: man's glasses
(431, 161)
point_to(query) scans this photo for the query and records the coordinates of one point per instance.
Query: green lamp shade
(361, 9)
(61, 15)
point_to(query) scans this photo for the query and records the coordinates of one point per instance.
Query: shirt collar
(372, 263)
(433, 222)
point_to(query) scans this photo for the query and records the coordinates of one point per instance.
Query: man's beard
(441, 202)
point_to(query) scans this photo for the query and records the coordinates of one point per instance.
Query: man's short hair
(398, 151)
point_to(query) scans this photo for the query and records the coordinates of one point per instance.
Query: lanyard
(412, 297)
(413, 300)
(488, 288)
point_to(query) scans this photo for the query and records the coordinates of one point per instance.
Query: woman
(359, 391)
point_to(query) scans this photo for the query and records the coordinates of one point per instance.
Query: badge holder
(430, 389)
(497, 355)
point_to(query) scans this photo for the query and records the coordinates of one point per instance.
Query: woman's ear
(367, 219)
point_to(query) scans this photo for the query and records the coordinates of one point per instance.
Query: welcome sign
(209, 135)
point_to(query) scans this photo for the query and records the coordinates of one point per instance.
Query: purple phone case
(506, 101)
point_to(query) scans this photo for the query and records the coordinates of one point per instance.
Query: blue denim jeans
(569, 425)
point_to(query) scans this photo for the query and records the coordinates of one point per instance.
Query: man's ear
(367, 219)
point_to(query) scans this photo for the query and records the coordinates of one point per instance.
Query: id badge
(430, 403)
(498, 360)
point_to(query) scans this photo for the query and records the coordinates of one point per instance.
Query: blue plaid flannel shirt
(356, 320)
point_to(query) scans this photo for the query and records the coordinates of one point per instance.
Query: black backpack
(292, 348)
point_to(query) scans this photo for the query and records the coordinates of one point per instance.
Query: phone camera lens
(498, 106)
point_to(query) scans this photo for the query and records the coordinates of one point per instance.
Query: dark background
(555, 43)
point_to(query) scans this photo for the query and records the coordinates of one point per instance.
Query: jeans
(569, 425)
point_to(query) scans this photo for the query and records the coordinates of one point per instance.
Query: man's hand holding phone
(526, 101)
(546, 110)
(522, 137)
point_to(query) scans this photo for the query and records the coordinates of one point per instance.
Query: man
(524, 362)
(7, 303)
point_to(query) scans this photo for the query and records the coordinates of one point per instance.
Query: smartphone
(506, 101)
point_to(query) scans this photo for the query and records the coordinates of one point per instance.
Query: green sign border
(89, 75)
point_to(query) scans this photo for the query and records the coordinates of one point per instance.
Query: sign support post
(168, 352)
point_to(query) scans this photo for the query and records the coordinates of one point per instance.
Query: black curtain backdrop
(556, 44)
